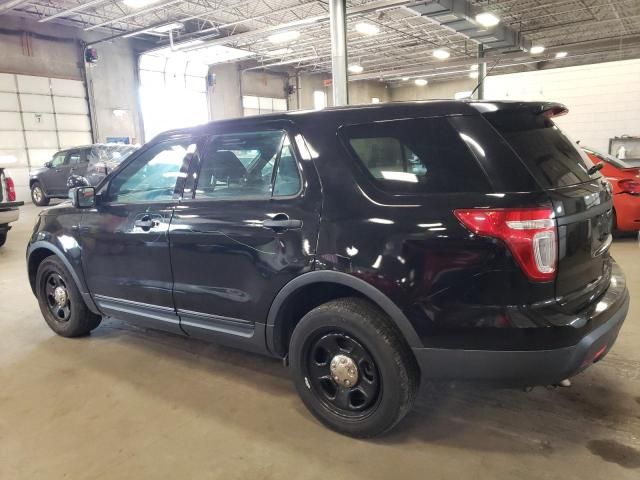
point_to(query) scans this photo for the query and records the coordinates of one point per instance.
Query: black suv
(91, 163)
(369, 247)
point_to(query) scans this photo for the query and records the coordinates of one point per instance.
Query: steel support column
(482, 72)
(338, 28)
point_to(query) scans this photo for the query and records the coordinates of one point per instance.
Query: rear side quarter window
(415, 156)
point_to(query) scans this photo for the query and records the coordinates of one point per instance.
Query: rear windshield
(553, 159)
(415, 156)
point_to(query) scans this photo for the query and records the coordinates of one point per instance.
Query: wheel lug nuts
(343, 360)
(347, 383)
(335, 377)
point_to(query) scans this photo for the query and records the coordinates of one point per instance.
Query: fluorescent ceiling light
(355, 69)
(170, 26)
(441, 54)
(190, 43)
(536, 49)
(367, 28)
(487, 19)
(139, 3)
(280, 52)
(561, 54)
(404, 79)
(218, 54)
(421, 82)
(473, 74)
(284, 37)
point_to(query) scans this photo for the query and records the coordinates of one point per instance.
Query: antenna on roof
(480, 80)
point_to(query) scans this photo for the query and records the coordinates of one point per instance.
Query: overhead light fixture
(441, 54)
(561, 54)
(487, 19)
(169, 27)
(473, 74)
(421, 82)
(139, 3)
(367, 28)
(536, 50)
(404, 79)
(355, 68)
(284, 37)
(280, 52)
(473, 67)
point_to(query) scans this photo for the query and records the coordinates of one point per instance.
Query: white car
(9, 211)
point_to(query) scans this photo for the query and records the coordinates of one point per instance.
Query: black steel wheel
(61, 302)
(57, 297)
(352, 367)
(343, 374)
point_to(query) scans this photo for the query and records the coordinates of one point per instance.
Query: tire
(38, 196)
(71, 318)
(3, 238)
(380, 394)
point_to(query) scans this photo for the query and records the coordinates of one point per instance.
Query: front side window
(243, 165)
(58, 159)
(154, 175)
(415, 156)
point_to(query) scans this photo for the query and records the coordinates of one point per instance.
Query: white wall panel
(74, 139)
(36, 103)
(8, 102)
(71, 105)
(603, 99)
(78, 123)
(67, 88)
(10, 121)
(39, 121)
(11, 140)
(31, 84)
(42, 139)
(12, 157)
(7, 82)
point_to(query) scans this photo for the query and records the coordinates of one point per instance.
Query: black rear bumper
(539, 365)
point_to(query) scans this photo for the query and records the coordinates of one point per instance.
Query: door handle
(282, 222)
(145, 223)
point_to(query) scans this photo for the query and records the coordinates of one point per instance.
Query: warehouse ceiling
(386, 40)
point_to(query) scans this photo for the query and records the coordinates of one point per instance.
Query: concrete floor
(125, 403)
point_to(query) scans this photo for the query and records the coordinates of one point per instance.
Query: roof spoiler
(550, 110)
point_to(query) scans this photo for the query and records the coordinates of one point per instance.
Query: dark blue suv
(369, 247)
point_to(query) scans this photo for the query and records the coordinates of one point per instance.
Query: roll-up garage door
(39, 116)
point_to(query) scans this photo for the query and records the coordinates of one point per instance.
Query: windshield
(552, 158)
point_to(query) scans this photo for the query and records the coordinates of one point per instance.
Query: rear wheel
(3, 238)
(352, 368)
(60, 300)
(38, 196)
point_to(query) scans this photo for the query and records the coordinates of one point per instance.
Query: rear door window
(415, 156)
(553, 159)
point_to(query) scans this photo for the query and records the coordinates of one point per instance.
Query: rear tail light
(529, 233)
(629, 186)
(11, 189)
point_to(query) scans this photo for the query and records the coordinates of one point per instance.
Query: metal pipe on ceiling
(11, 4)
(68, 11)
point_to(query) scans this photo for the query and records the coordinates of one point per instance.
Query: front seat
(221, 167)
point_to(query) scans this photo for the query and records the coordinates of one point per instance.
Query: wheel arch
(280, 321)
(42, 249)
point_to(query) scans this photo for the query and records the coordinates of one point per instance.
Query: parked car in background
(9, 211)
(92, 162)
(625, 181)
(369, 247)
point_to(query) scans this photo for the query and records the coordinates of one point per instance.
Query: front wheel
(60, 300)
(38, 196)
(352, 368)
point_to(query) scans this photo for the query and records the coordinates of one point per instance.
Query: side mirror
(83, 197)
(47, 164)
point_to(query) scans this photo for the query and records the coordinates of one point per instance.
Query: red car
(625, 181)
